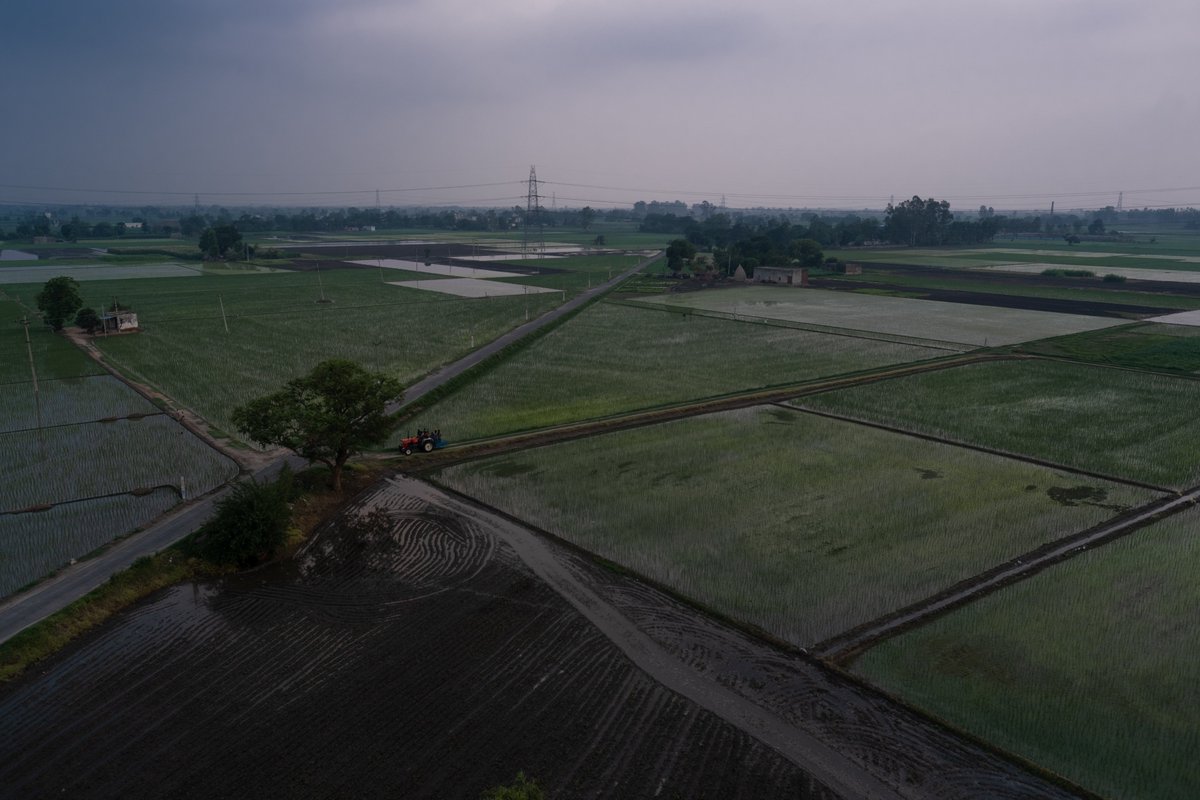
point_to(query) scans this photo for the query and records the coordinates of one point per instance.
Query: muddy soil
(432, 649)
(417, 658)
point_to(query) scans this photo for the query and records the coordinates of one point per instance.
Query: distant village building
(783, 276)
(133, 226)
(118, 321)
(853, 268)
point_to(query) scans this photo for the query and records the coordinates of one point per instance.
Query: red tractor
(424, 442)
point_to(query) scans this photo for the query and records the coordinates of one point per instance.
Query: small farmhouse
(118, 321)
(785, 276)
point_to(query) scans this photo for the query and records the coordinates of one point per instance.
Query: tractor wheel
(408, 451)
(427, 446)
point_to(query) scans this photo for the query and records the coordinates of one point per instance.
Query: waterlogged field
(111, 457)
(1087, 669)
(801, 525)
(277, 330)
(54, 483)
(65, 401)
(96, 272)
(615, 358)
(35, 544)
(1132, 425)
(900, 316)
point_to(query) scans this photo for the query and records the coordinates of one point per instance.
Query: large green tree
(325, 416)
(251, 522)
(918, 222)
(59, 300)
(679, 251)
(221, 241)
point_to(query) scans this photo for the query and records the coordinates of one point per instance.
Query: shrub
(1112, 277)
(521, 788)
(250, 523)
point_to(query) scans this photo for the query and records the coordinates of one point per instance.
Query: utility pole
(37, 396)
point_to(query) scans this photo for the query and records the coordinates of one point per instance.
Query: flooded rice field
(421, 646)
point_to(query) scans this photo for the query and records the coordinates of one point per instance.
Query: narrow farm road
(53, 594)
(844, 646)
(451, 371)
(49, 596)
(801, 748)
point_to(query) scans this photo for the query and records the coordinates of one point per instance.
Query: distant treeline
(920, 222)
(915, 221)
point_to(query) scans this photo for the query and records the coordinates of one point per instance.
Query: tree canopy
(251, 521)
(59, 300)
(679, 251)
(221, 241)
(918, 222)
(325, 416)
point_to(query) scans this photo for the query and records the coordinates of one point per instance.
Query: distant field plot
(68, 400)
(35, 544)
(950, 322)
(801, 525)
(1174, 348)
(472, 287)
(448, 270)
(277, 330)
(1087, 669)
(96, 272)
(1081, 290)
(1133, 425)
(614, 358)
(1170, 275)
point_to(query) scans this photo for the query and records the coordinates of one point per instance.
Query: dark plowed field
(413, 659)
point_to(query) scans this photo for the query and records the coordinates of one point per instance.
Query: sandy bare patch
(472, 287)
(437, 269)
(1182, 318)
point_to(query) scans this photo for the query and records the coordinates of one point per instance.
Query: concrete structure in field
(853, 268)
(784, 276)
(118, 321)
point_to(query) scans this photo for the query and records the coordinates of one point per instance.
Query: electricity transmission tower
(535, 234)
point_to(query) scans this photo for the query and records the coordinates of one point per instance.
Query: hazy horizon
(773, 103)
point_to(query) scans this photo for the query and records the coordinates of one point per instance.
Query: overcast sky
(1011, 103)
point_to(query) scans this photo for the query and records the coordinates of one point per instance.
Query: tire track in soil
(239, 689)
(807, 752)
(873, 733)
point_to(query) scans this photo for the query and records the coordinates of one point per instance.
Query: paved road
(29, 607)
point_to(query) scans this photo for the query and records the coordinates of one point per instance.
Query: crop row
(801, 525)
(1134, 425)
(35, 544)
(615, 358)
(69, 400)
(92, 459)
(1087, 668)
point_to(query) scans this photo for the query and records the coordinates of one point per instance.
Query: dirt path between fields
(848, 737)
(844, 647)
(247, 460)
